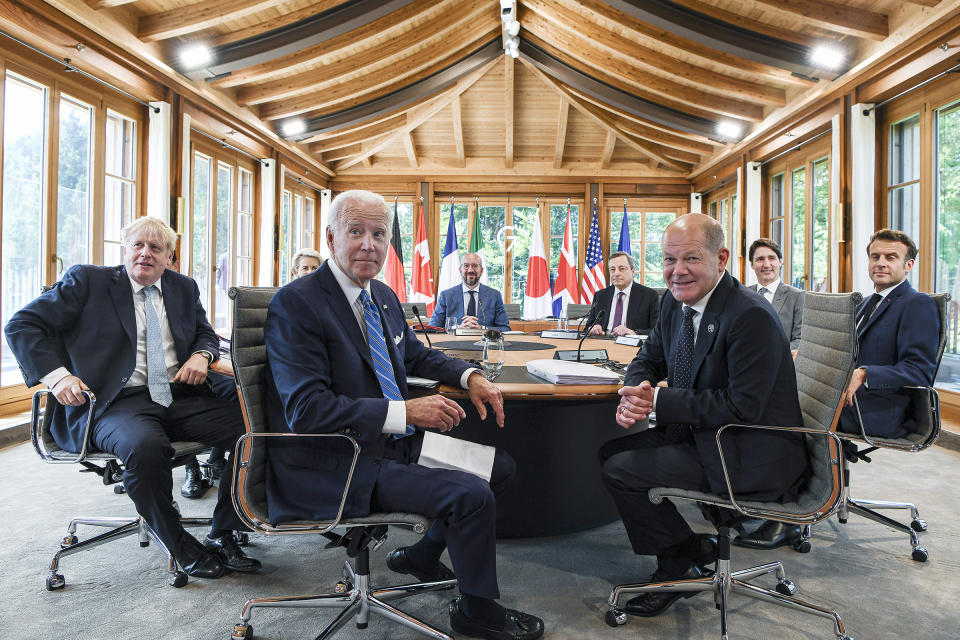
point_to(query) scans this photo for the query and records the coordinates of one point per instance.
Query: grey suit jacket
(788, 303)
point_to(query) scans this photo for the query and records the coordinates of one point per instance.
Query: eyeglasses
(470, 264)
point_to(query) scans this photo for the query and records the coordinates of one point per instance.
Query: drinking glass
(450, 325)
(492, 356)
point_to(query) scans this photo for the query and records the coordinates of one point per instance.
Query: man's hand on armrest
(194, 370)
(483, 392)
(856, 381)
(68, 391)
(636, 403)
(434, 412)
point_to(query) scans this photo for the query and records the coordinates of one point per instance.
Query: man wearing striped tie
(339, 352)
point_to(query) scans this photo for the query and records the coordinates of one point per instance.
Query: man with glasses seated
(473, 304)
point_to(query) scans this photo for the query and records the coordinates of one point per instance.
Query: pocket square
(397, 339)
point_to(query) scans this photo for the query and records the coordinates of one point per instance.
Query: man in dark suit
(339, 352)
(726, 361)
(766, 258)
(137, 336)
(897, 330)
(473, 304)
(630, 307)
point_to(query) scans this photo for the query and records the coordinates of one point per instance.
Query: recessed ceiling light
(729, 130)
(195, 56)
(827, 56)
(293, 127)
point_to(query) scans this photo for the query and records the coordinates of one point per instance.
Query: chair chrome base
(358, 599)
(867, 509)
(122, 527)
(722, 583)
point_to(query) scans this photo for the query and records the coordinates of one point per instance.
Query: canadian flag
(565, 288)
(536, 299)
(422, 277)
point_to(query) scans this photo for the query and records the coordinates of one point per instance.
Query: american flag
(594, 278)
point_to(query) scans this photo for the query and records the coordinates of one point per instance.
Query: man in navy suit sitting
(897, 329)
(137, 336)
(339, 352)
(474, 305)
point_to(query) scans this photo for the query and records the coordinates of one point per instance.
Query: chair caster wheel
(801, 546)
(242, 632)
(243, 538)
(918, 525)
(615, 618)
(343, 586)
(920, 554)
(178, 579)
(55, 581)
(119, 489)
(68, 541)
(144, 544)
(786, 587)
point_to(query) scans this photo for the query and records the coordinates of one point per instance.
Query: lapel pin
(710, 328)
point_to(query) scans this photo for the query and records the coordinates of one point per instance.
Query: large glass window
(776, 209)
(820, 244)
(947, 185)
(493, 219)
(523, 220)
(244, 273)
(646, 223)
(904, 179)
(297, 223)
(201, 214)
(119, 207)
(460, 219)
(798, 224)
(74, 184)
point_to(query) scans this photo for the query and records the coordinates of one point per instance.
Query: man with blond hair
(137, 336)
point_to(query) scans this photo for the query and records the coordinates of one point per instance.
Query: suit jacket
(642, 310)
(788, 303)
(320, 379)
(742, 374)
(898, 347)
(490, 309)
(86, 323)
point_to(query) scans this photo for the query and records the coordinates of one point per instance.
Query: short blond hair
(304, 253)
(155, 228)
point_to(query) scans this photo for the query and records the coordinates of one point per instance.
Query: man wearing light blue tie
(473, 304)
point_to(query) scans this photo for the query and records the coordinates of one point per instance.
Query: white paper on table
(444, 452)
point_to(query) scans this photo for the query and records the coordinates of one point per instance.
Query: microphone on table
(586, 332)
(416, 312)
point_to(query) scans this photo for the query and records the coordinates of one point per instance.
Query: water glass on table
(451, 325)
(492, 354)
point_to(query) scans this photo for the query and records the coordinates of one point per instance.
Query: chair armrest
(835, 461)
(239, 470)
(932, 397)
(40, 427)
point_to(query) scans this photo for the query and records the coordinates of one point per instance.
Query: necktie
(379, 353)
(157, 381)
(472, 306)
(763, 291)
(868, 310)
(683, 369)
(618, 312)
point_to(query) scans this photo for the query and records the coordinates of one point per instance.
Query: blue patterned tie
(379, 353)
(683, 367)
(157, 381)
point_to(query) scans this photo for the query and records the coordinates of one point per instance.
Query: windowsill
(15, 429)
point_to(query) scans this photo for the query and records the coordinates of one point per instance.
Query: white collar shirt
(139, 375)
(771, 289)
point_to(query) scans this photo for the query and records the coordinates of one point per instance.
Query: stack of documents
(564, 372)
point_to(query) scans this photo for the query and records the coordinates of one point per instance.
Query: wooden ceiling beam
(582, 55)
(608, 146)
(463, 24)
(341, 153)
(360, 135)
(457, 116)
(553, 18)
(106, 4)
(196, 17)
(743, 19)
(380, 85)
(839, 18)
(508, 89)
(274, 23)
(598, 119)
(561, 134)
(418, 116)
(411, 150)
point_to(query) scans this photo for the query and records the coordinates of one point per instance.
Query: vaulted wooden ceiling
(628, 87)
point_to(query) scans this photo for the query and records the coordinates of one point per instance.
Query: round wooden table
(554, 433)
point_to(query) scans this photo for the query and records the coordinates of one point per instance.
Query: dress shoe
(398, 561)
(216, 467)
(652, 604)
(770, 535)
(230, 554)
(193, 485)
(515, 625)
(196, 561)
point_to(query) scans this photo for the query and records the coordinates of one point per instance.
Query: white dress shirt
(771, 289)
(396, 421)
(613, 306)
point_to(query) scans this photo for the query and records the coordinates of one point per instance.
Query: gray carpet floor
(119, 590)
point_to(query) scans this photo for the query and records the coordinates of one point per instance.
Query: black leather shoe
(196, 561)
(397, 560)
(515, 625)
(770, 535)
(707, 552)
(216, 467)
(193, 485)
(230, 554)
(648, 605)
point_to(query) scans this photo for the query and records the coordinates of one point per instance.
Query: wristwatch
(206, 354)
